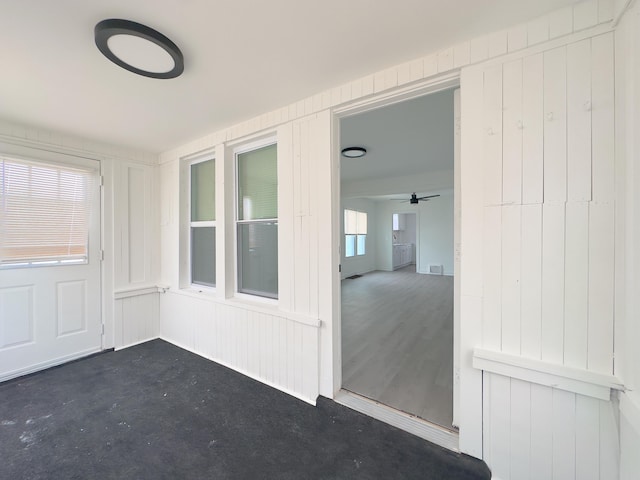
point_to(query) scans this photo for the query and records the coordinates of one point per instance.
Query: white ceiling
(407, 138)
(242, 58)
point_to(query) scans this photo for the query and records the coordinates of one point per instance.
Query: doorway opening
(397, 299)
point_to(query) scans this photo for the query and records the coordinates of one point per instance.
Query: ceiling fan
(415, 199)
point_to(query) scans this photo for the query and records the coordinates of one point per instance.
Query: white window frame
(238, 150)
(199, 224)
(357, 233)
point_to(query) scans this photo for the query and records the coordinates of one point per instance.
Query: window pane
(258, 258)
(45, 212)
(361, 244)
(361, 229)
(349, 245)
(350, 222)
(258, 184)
(203, 256)
(203, 198)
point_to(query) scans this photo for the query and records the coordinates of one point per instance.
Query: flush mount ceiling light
(138, 48)
(354, 152)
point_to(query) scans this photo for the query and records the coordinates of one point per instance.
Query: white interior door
(50, 309)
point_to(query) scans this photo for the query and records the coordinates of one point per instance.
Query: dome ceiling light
(138, 48)
(354, 152)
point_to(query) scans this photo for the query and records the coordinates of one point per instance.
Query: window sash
(45, 212)
(202, 231)
(257, 184)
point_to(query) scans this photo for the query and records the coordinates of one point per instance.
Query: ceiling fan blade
(428, 197)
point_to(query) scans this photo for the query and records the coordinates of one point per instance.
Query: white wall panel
(137, 319)
(555, 301)
(269, 347)
(135, 230)
(533, 432)
(555, 125)
(532, 133)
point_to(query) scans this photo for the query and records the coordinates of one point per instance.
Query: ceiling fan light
(354, 152)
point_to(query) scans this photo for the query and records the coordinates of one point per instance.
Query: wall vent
(436, 269)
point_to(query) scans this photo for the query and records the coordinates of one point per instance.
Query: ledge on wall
(583, 382)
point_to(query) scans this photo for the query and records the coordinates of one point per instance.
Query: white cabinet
(402, 255)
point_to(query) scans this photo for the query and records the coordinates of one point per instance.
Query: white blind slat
(45, 212)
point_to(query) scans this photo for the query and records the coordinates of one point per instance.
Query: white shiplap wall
(544, 33)
(277, 344)
(543, 122)
(628, 276)
(135, 254)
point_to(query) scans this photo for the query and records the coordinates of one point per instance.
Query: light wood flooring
(397, 341)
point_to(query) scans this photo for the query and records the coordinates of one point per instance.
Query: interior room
(397, 288)
(173, 188)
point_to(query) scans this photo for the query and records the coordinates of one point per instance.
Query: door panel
(52, 314)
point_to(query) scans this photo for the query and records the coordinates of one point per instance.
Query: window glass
(203, 226)
(257, 221)
(203, 198)
(203, 256)
(258, 184)
(360, 248)
(45, 213)
(349, 245)
(258, 258)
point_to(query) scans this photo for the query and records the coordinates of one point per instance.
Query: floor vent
(436, 269)
(352, 277)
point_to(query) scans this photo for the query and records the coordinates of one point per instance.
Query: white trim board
(574, 380)
(408, 423)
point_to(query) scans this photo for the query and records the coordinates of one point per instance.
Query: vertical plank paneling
(301, 200)
(576, 285)
(609, 441)
(500, 406)
(286, 183)
(531, 281)
(602, 101)
(520, 424)
(313, 227)
(564, 441)
(298, 188)
(579, 121)
(555, 125)
(512, 128)
(533, 128)
(601, 287)
(492, 95)
(587, 438)
(511, 243)
(492, 287)
(552, 335)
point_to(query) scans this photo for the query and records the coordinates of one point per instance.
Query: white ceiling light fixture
(354, 152)
(138, 48)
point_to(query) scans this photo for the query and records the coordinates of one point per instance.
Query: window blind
(45, 212)
(355, 223)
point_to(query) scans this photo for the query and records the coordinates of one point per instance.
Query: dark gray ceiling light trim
(354, 152)
(107, 28)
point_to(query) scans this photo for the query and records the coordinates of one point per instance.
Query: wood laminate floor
(397, 341)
